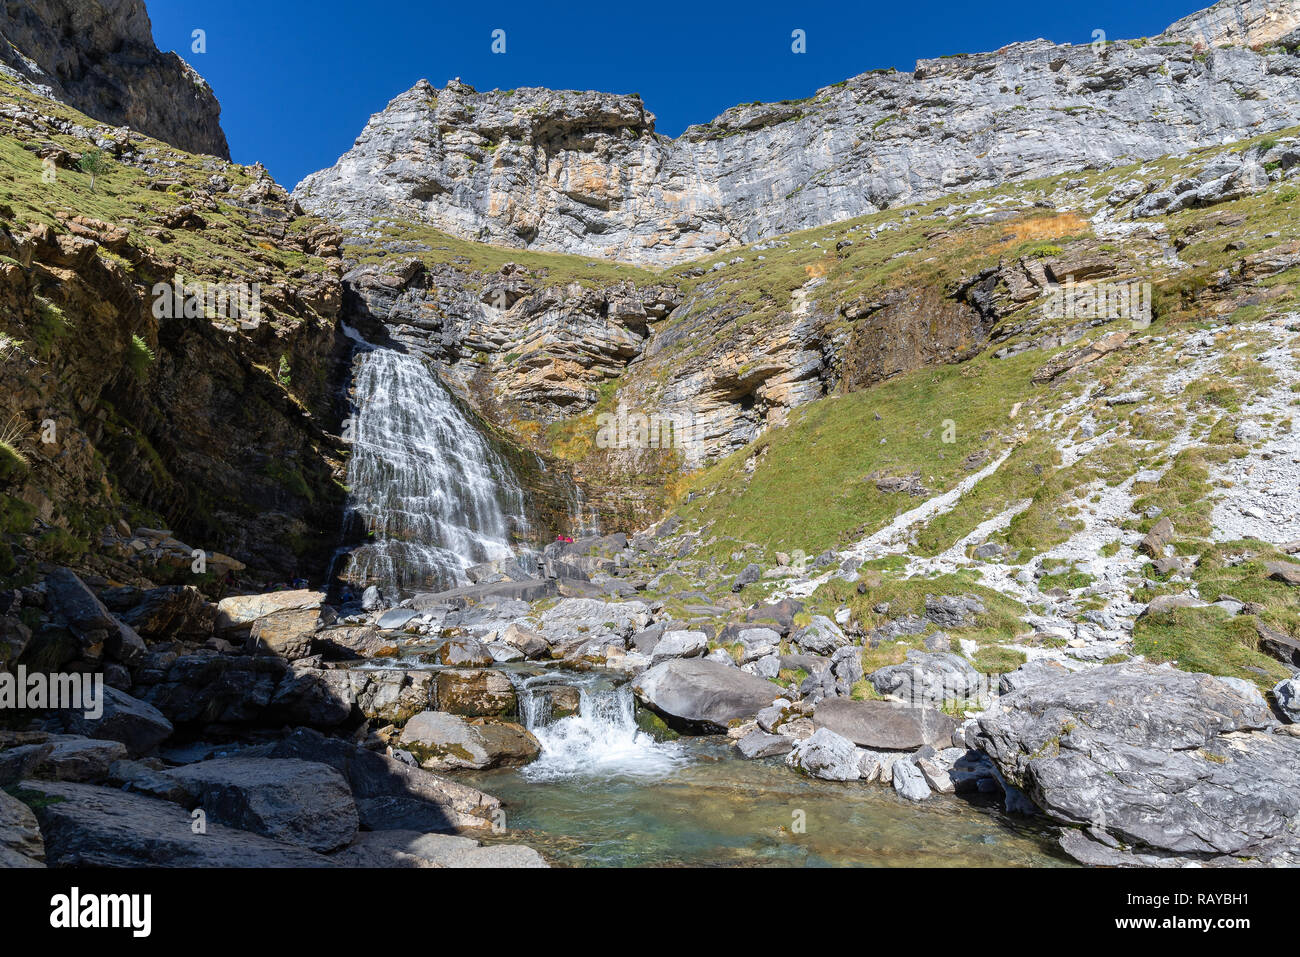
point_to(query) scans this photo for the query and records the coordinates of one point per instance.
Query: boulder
(1168, 763)
(835, 678)
(695, 694)
(929, 679)
(1287, 695)
(442, 742)
(884, 725)
(396, 619)
(953, 611)
(474, 694)
(286, 799)
(821, 636)
(411, 848)
(748, 575)
(755, 643)
(1031, 672)
(74, 758)
(528, 641)
(89, 826)
(354, 642)
(909, 782)
(462, 652)
(138, 725)
(392, 696)
(21, 760)
(172, 611)
(779, 614)
(579, 618)
(826, 755)
(1286, 572)
(236, 614)
(1278, 644)
(286, 634)
(389, 793)
(1156, 540)
(20, 834)
(759, 744)
(680, 644)
(89, 620)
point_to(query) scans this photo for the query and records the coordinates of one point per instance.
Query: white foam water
(601, 740)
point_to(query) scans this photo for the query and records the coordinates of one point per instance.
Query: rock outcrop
(586, 173)
(99, 57)
(197, 364)
(1150, 765)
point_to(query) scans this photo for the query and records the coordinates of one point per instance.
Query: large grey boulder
(834, 676)
(135, 723)
(680, 644)
(885, 725)
(89, 826)
(1031, 672)
(1162, 762)
(821, 636)
(929, 679)
(748, 575)
(298, 802)
(826, 755)
(576, 622)
(699, 695)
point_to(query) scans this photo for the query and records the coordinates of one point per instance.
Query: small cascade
(602, 739)
(585, 519)
(433, 495)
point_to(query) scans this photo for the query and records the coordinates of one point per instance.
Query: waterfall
(433, 495)
(585, 519)
(601, 739)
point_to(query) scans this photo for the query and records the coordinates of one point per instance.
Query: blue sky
(298, 80)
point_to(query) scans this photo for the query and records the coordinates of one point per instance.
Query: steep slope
(125, 404)
(98, 56)
(585, 172)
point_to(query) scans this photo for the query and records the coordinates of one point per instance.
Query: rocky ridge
(586, 173)
(98, 56)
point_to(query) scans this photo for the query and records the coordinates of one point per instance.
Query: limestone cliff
(98, 56)
(586, 173)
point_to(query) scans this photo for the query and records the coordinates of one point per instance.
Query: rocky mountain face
(1244, 22)
(586, 173)
(98, 56)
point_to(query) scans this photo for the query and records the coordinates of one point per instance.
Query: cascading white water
(601, 739)
(434, 496)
